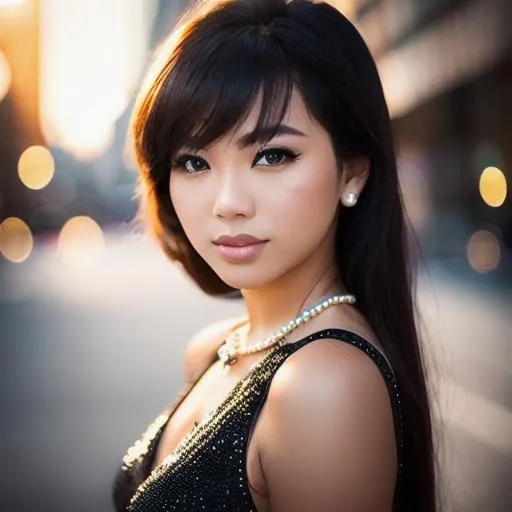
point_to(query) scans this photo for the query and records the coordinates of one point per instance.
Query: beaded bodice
(207, 470)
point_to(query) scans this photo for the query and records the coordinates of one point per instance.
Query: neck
(272, 306)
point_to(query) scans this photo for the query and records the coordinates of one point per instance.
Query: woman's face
(285, 192)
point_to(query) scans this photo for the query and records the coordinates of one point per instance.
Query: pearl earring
(349, 199)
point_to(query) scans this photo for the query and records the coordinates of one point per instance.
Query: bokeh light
(493, 186)
(81, 241)
(483, 251)
(36, 167)
(5, 76)
(16, 240)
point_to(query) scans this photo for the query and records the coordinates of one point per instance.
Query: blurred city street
(92, 352)
(94, 319)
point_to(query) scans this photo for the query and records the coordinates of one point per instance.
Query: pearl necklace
(230, 350)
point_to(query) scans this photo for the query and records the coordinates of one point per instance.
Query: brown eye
(190, 164)
(274, 157)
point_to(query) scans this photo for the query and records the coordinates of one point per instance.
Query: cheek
(187, 211)
(307, 211)
(313, 198)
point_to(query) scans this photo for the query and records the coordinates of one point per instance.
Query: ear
(354, 174)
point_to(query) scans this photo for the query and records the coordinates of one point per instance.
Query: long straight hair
(204, 81)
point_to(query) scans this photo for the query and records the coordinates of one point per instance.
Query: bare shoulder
(204, 343)
(330, 400)
(329, 371)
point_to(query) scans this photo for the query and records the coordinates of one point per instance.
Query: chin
(241, 283)
(245, 277)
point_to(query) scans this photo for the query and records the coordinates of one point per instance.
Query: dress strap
(352, 338)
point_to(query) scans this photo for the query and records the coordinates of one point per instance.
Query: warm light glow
(493, 186)
(87, 138)
(81, 241)
(36, 167)
(10, 3)
(160, 57)
(87, 82)
(14, 10)
(16, 240)
(5, 76)
(483, 252)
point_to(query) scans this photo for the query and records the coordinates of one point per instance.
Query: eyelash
(287, 154)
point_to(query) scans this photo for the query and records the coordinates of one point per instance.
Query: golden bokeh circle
(16, 240)
(81, 241)
(493, 186)
(36, 167)
(483, 251)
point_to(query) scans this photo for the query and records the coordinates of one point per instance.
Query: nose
(233, 197)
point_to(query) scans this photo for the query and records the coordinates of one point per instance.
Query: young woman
(268, 170)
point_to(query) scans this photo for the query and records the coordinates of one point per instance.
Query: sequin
(207, 469)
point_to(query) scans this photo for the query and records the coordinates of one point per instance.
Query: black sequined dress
(207, 470)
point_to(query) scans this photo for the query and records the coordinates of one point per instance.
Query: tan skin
(328, 378)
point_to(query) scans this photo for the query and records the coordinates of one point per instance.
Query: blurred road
(90, 355)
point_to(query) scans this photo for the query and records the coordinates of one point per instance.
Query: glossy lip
(240, 240)
(240, 254)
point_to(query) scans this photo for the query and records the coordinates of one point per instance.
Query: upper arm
(202, 346)
(331, 439)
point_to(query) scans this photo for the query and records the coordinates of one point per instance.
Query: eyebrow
(266, 134)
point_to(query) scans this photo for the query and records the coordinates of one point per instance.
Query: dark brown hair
(204, 83)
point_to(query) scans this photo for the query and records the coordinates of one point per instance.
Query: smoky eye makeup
(274, 156)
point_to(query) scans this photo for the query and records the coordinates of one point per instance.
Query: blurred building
(447, 74)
